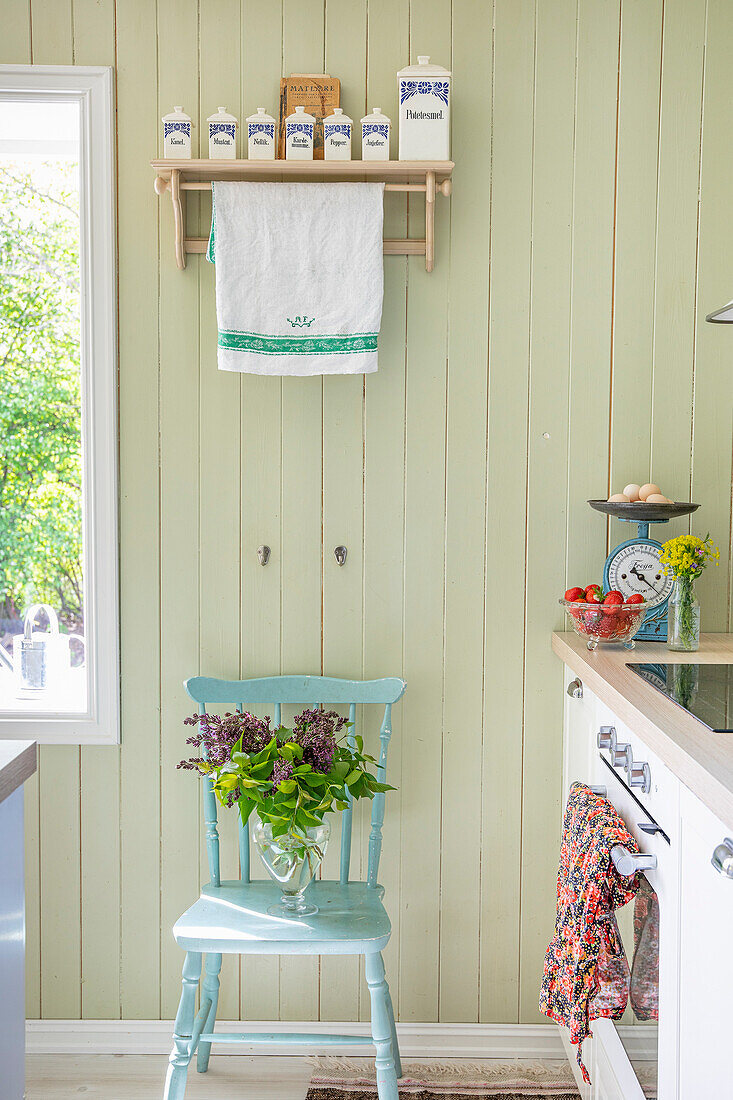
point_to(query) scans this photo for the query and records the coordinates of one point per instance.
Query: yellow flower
(687, 555)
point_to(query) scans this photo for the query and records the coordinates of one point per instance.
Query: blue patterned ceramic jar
(424, 94)
(299, 135)
(177, 135)
(337, 136)
(261, 136)
(222, 135)
(375, 136)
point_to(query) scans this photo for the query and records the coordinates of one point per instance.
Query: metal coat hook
(263, 553)
(340, 554)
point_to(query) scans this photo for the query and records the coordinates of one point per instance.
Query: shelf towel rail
(175, 177)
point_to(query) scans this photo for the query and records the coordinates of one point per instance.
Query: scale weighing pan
(643, 513)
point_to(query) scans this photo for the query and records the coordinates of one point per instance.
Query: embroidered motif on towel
(298, 345)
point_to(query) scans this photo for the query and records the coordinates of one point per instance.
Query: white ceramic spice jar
(424, 95)
(177, 135)
(337, 129)
(222, 135)
(299, 135)
(261, 136)
(375, 136)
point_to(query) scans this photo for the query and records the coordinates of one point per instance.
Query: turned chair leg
(175, 1082)
(210, 990)
(395, 1044)
(382, 1027)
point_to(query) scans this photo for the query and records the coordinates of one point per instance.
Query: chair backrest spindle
(347, 814)
(212, 833)
(375, 834)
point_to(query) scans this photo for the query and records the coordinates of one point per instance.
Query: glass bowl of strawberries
(604, 617)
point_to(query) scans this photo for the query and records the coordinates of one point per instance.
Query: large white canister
(424, 95)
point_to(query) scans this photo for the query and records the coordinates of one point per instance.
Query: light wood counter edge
(18, 761)
(700, 759)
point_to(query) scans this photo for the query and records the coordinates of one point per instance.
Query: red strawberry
(613, 598)
(593, 593)
(574, 594)
(636, 598)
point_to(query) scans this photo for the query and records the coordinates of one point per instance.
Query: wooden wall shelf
(428, 177)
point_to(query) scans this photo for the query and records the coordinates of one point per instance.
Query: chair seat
(233, 917)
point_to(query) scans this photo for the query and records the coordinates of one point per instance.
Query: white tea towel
(299, 276)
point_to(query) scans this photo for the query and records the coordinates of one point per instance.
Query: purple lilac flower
(283, 770)
(217, 737)
(314, 731)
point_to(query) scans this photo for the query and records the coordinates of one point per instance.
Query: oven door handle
(628, 863)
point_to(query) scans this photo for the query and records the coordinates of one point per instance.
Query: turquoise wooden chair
(232, 916)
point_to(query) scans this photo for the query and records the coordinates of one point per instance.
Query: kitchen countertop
(700, 759)
(17, 763)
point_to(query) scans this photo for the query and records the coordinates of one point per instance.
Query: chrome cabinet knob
(639, 775)
(606, 738)
(621, 756)
(722, 859)
(575, 689)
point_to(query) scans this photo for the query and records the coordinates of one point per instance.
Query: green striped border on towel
(297, 345)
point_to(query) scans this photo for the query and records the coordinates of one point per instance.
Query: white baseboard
(540, 1041)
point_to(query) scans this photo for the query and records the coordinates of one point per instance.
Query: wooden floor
(141, 1077)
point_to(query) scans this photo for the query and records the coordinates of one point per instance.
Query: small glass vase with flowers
(685, 558)
(287, 780)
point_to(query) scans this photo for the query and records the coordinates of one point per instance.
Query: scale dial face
(635, 567)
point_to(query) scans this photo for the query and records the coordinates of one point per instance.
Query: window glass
(42, 552)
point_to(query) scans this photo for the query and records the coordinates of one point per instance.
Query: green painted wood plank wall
(557, 351)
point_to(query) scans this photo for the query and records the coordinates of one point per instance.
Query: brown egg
(618, 498)
(656, 498)
(646, 490)
(632, 491)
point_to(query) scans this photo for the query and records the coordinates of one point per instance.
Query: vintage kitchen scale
(635, 566)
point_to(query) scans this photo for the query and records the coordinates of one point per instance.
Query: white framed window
(59, 618)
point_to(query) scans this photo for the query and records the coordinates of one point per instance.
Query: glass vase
(683, 617)
(291, 861)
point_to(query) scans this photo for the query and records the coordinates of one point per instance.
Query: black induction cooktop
(704, 690)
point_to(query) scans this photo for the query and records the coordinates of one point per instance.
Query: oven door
(635, 1049)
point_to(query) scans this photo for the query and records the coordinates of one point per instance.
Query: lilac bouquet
(291, 777)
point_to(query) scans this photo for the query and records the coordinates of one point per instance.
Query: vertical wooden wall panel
(424, 584)
(465, 519)
(552, 195)
(592, 288)
(52, 32)
(219, 451)
(713, 447)
(180, 449)
(683, 55)
(636, 202)
(510, 256)
(302, 438)
(137, 126)
(384, 465)
(261, 446)
(94, 44)
(343, 508)
(15, 48)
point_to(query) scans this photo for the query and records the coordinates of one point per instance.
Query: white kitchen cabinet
(706, 957)
(580, 732)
